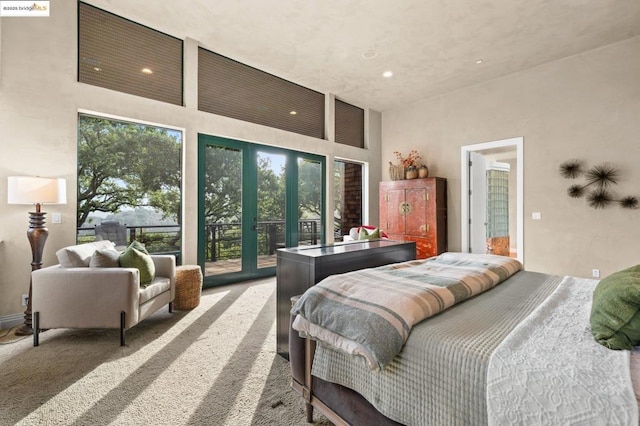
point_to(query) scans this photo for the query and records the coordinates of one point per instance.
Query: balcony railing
(158, 239)
(223, 240)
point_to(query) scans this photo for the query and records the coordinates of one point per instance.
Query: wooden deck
(234, 265)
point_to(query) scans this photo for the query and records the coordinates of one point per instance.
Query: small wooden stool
(188, 287)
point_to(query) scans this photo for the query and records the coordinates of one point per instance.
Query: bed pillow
(105, 258)
(134, 258)
(615, 312)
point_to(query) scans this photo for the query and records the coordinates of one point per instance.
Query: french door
(254, 199)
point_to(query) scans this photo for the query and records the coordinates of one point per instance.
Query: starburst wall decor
(597, 188)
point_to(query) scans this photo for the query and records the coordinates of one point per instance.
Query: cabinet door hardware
(404, 208)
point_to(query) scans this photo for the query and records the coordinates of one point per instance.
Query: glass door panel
(310, 201)
(252, 200)
(271, 224)
(222, 210)
(347, 197)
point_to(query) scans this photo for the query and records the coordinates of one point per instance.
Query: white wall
(586, 107)
(39, 102)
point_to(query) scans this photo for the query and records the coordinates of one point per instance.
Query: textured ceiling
(430, 45)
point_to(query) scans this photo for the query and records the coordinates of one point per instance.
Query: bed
(518, 351)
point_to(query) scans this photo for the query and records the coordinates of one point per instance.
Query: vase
(396, 172)
(423, 172)
(412, 173)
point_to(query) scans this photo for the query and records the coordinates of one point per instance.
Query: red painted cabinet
(416, 210)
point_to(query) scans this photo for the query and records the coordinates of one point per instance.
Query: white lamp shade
(36, 190)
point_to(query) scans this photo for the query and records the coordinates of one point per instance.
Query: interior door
(477, 203)
(510, 151)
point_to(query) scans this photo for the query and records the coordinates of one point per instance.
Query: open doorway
(492, 198)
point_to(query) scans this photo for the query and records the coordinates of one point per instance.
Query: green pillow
(615, 312)
(106, 258)
(134, 258)
(138, 246)
(364, 235)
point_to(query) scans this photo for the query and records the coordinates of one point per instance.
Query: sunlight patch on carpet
(216, 364)
(254, 384)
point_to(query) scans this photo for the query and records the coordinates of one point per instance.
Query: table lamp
(38, 191)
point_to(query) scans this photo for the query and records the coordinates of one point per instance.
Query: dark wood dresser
(298, 268)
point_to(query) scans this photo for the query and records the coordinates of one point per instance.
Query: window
(129, 180)
(121, 55)
(349, 124)
(348, 197)
(232, 89)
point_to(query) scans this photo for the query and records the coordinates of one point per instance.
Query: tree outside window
(130, 173)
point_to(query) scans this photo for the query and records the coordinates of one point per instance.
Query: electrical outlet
(25, 299)
(595, 273)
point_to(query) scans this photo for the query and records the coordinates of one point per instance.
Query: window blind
(121, 55)
(349, 124)
(232, 89)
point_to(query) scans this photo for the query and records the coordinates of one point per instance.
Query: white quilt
(550, 371)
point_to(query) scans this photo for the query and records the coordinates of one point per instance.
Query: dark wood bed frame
(341, 405)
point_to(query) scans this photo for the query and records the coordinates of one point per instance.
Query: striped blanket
(371, 312)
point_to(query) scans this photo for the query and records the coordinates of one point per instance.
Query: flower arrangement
(411, 160)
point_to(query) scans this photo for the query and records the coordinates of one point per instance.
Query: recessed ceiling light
(97, 69)
(293, 113)
(387, 74)
(369, 54)
(479, 61)
(147, 71)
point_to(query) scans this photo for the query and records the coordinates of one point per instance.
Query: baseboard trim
(10, 321)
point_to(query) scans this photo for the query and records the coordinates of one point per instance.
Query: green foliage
(140, 216)
(160, 242)
(271, 191)
(126, 165)
(309, 190)
(223, 185)
(154, 241)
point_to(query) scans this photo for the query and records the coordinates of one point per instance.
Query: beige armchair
(72, 296)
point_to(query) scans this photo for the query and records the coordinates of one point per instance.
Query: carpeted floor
(214, 365)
